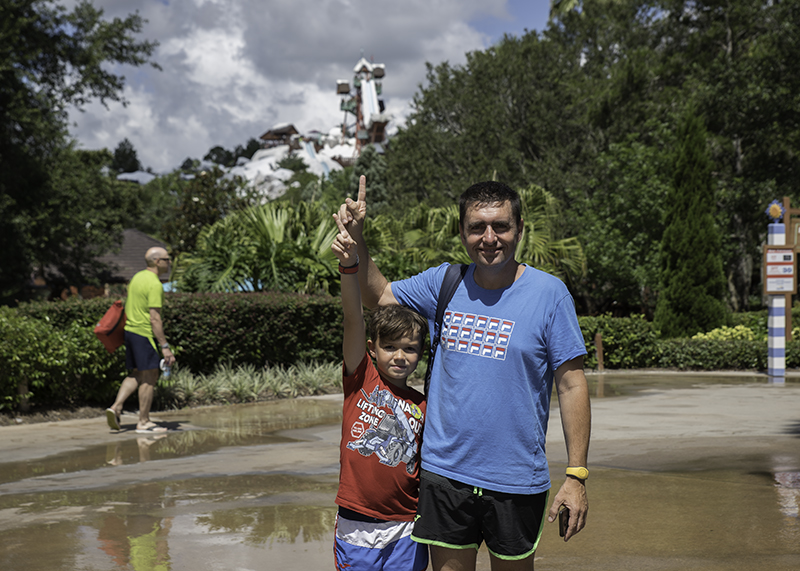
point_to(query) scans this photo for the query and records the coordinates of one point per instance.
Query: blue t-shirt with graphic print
(490, 388)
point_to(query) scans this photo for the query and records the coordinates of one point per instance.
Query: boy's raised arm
(376, 289)
(355, 339)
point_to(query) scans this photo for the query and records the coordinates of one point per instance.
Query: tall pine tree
(692, 278)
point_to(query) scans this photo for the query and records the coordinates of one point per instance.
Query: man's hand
(572, 496)
(344, 247)
(352, 214)
(169, 357)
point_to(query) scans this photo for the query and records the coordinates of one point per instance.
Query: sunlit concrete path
(694, 472)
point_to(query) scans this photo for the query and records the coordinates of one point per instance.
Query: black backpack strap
(453, 276)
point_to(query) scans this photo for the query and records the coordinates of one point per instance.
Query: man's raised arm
(376, 290)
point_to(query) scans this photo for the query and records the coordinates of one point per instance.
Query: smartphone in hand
(563, 521)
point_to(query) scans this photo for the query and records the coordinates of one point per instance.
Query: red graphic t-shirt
(381, 440)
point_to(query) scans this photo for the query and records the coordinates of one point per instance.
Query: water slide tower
(362, 102)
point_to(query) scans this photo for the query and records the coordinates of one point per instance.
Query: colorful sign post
(780, 283)
(780, 277)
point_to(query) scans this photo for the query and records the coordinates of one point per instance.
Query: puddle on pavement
(653, 521)
(624, 383)
(238, 425)
(740, 513)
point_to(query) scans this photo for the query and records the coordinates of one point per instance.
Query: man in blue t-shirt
(509, 335)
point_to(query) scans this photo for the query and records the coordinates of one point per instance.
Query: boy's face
(396, 359)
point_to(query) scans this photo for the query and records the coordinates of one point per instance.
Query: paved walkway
(688, 472)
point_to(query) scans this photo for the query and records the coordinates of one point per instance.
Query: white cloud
(234, 68)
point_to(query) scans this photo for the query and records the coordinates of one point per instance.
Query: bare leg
(446, 559)
(125, 390)
(147, 382)
(517, 565)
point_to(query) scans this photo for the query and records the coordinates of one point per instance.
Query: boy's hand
(344, 247)
(352, 213)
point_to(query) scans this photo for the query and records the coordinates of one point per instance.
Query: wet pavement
(694, 472)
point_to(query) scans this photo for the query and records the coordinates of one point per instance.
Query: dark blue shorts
(140, 353)
(459, 516)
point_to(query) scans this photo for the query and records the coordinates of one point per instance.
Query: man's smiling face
(490, 234)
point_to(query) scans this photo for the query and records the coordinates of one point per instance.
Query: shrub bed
(51, 347)
(49, 355)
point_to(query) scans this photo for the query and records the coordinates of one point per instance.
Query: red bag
(111, 328)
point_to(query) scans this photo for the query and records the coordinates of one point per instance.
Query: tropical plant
(273, 247)
(427, 237)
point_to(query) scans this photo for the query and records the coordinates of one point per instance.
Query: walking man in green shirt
(143, 329)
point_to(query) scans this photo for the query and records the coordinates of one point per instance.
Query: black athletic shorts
(459, 516)
(140, 353)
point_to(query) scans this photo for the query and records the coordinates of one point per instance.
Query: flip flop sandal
(113, 419)
(155, 429)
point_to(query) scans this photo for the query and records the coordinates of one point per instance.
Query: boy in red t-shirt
(381, 431)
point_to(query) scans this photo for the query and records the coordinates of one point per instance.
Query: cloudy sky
(232, 69)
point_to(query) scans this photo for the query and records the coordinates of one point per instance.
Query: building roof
(130, 258)
(279, 132)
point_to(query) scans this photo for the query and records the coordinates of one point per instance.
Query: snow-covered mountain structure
(322, 153)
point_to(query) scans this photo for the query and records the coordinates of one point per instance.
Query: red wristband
(349, 269)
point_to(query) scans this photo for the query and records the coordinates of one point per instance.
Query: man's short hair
(395, 321)
(487, 193)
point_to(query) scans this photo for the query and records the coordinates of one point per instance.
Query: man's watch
(165, 345)
(578, 472)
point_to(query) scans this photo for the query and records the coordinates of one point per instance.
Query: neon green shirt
(144, 291)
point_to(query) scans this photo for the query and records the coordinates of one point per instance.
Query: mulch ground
(33, 416)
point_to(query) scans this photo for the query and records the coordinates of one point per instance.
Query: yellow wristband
(578, 471)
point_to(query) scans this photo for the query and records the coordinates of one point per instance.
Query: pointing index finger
(362, 189)
(342, 229)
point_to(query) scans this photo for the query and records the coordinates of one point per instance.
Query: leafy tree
(125, 159)
(248, 150)
(293, 163)
(153, 204)
(327, 191)
(585, 109)
(190, 165)
(51, 59)
(373, 165)
(221, 156)
(82, 217)
(201, 202)
(623, 222)
(691, 297)
(228, 158)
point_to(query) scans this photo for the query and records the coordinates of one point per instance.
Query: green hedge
(254, 328)
(703, 354)
(50, 347)
(56, 365)
(628, 342)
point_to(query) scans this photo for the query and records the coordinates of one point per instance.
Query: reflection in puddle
(182, 525)
(704, 504)
(239, 425)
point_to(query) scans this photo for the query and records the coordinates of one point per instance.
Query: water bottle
(165, 370)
